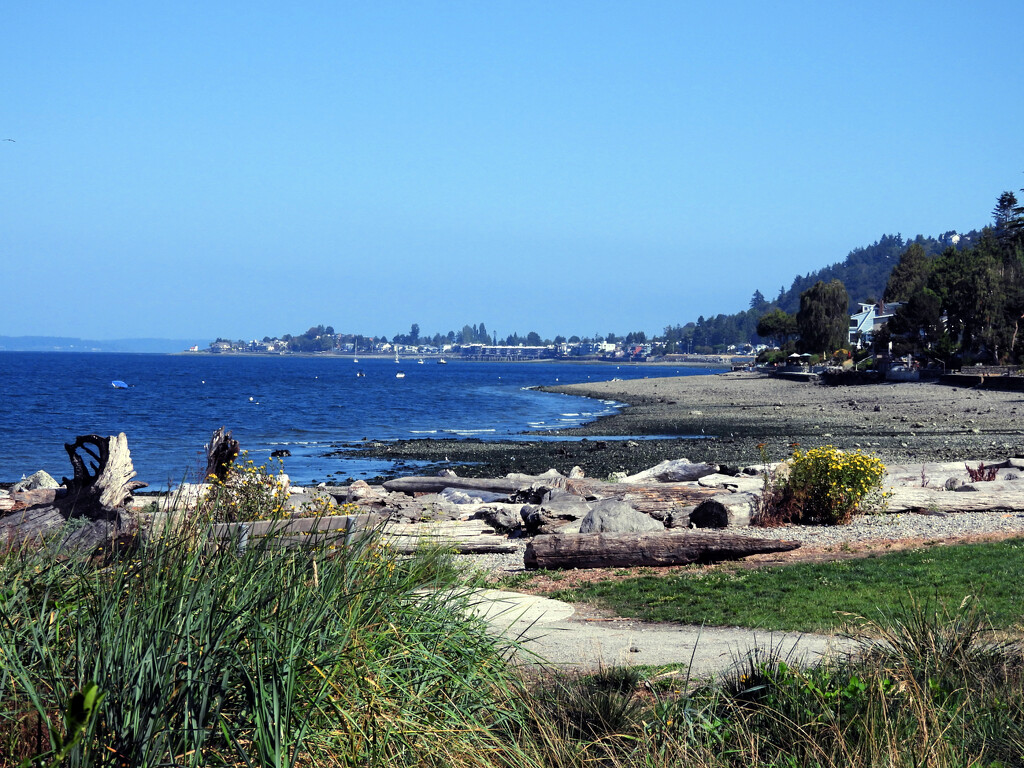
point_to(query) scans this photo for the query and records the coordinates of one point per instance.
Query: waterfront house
(866, 322)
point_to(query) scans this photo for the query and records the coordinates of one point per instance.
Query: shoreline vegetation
(173, 653)
(730, 418)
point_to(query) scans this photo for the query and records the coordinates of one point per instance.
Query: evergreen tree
(909, 276)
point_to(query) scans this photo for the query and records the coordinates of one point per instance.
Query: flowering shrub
(825, 486)
(249, 493)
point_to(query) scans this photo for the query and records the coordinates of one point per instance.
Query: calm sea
(311, 406)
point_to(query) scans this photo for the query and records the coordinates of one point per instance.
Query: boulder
(612, 516)
(673, 471)
(576, 473)
(34, 482)
(727, 511)
(504, 518)
(362, 491)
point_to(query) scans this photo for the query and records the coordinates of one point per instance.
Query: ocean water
(311, 406)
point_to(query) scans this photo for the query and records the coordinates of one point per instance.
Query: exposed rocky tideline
(734, 413)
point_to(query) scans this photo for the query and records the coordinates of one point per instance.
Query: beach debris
(673, 471)
(613, 516)
(99, 493)
(463, 496)
(627, 550)
(221, 452)
(503, 518)
(35, 481)
(728, 510)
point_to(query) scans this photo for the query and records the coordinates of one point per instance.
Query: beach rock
(34, 482)
(576, 473)
(611, 516)
(731, 510)
(566, 507)
(504, 518)
(673, 471)
(362, 492)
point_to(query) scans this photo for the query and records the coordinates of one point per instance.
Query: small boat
(360, 374)
(396, 357)
(420, 361)
(355, 359)
(442, 361)
(400, 375)
(118, 385)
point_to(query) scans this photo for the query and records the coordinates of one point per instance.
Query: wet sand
(734, 413)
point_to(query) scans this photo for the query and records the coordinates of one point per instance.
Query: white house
(869, 319)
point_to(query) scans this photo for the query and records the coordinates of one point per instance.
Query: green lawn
(816, 596)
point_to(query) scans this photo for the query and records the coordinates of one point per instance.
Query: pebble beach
(732, 418)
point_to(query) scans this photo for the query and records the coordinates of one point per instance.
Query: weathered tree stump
(627, 550)
(221, 453)
(99, 493)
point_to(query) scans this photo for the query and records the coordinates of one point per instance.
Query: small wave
(468, 431)
(423, 431)
(570, 414)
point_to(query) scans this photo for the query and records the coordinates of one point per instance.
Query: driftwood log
(99, 493)
(626, 550)
(644, 498)
(1003, 497)
(413, 485)
(221, 452)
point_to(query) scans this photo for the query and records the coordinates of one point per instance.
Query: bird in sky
(9, 140)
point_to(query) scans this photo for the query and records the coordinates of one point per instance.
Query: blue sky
(241, 169)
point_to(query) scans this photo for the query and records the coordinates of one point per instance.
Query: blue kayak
(119, 385)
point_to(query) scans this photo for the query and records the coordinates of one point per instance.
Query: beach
(735, 418)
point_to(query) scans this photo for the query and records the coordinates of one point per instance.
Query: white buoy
(250, 399)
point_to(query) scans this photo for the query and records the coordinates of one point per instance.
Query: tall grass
(267, 656)
(354, 657)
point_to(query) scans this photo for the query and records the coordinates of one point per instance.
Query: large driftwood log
(1003, 497)
(221, 452)
(644, 498)
(413, 485)
(626, 550)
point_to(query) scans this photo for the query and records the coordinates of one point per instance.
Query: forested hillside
(865, 273)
